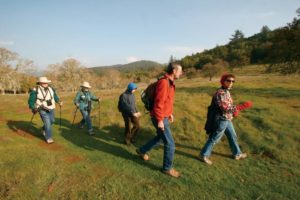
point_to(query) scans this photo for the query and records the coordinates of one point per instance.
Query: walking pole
(59, 116)
(33, 114)
(74, 116)
(99, 114)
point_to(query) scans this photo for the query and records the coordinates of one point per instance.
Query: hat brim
(44, 81)
(86, 86)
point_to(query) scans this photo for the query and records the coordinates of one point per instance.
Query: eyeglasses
(230, 81)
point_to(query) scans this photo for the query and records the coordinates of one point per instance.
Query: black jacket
(126, 104)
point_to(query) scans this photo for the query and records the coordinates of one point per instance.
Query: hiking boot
(91, 132)
(127, 142)
(44, 133)
(145, 156)
(133, 141)
(205, 159)
(240, 156)
(172, 172)
(49, 141)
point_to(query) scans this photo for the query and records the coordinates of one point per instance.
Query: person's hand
(35, 110)
(161, 125)
(98, 99)
(77, 105)
(171, 118)
(236, 113)
(244, 106)
(60, 103)
(137, 114)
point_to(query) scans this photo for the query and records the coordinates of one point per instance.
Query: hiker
(127, 107)
(223, 121)
(83, 101)
(161, 116)
(42, 100)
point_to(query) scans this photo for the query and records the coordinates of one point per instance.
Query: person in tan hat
(42, 100)
(83, 101)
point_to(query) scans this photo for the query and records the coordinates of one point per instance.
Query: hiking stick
(99, 114)
(33, 114)
(74, 116)
(59, 116)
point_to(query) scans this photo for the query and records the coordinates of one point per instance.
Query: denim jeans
(223, 126)
(48, 119)
(167, 138)
(86, 118)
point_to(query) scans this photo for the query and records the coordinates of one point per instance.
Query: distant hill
(143, 65)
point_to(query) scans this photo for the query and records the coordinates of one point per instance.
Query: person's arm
(76, 99)
(55, 96)
(224, 102)
(94, 98)
(160, 98)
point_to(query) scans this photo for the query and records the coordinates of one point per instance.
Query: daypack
(211, 117)
(120, 104)
(148, 95)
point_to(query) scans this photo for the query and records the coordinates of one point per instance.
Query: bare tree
(68, 75)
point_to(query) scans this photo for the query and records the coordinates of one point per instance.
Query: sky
(109, 32)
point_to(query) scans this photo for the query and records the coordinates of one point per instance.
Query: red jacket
(164, 98)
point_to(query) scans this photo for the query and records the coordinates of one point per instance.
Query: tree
(214, 69)
(237, 36)
(68, 75)
(13, 71)
(298, 12)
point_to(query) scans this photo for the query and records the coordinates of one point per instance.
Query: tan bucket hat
(86, 85)
(43, 79)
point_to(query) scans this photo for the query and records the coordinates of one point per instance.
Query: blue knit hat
(131, 86)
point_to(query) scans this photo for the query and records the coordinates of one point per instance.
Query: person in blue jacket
(127, 106)
(83, 101)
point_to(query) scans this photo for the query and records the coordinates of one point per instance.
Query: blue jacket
(83, 99)
(127, 104)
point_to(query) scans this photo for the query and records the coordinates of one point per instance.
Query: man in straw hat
(83, 102)
(42, 100)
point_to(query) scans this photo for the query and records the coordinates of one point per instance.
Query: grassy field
(78, 166)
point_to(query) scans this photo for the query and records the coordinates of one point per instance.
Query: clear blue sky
(107, 32)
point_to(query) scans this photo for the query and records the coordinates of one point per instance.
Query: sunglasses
(230, 81)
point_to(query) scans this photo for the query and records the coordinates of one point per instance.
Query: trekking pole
(99, 114)
(59, 116)
(33, 114)
(74, 116)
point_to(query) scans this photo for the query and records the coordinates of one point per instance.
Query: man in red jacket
(161, 115)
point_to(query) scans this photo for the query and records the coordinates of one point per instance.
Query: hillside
(142, 65)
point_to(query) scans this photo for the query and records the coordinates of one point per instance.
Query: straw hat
(85, 84)
(43, 79)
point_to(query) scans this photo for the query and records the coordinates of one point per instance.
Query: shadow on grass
(109, 140)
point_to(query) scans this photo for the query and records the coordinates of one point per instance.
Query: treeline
(17, 75)
(279, 48)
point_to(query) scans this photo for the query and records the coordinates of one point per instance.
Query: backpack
(148, 95)
(120, 104)
(211, 117)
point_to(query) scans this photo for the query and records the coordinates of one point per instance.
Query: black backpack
(211, 118)
(148, 95)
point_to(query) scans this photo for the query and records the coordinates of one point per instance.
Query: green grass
(78, 166)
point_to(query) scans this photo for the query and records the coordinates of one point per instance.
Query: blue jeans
(48, 119)
(224, 126)
(86, 118)
(167, 138)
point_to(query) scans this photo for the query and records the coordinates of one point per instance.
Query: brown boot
(145, 156)
(172, 172)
